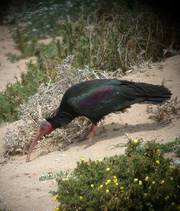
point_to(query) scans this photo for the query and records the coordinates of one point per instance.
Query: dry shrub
(43, 103)
(166, 112)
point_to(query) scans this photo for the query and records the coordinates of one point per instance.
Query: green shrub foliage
(142, 179)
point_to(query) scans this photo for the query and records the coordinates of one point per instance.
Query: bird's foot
(92, 133)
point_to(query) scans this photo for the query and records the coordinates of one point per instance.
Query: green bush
(142, 179)
(125, 35)
(17, 93)
(173, 146)
(177, 151)
(12, 57)
(37, 73)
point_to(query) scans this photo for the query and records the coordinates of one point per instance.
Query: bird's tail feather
(154, 94)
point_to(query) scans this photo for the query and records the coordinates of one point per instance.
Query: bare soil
(20, 187)
(9, 72)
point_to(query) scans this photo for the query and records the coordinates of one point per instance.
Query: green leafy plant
(142, 179)
(17, 93)
(96, 36)
(173, 146)
(12, 57)
(177, 151)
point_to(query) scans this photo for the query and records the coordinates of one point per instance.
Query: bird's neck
(60, 120)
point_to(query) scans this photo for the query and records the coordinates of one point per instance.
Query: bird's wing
(97, 98)
(97, 102)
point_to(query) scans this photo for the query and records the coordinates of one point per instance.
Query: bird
(95, 99)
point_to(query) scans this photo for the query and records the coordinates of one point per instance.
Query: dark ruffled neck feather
(60, 120)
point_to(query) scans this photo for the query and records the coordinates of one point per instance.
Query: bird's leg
(92, 132)
(33, 144)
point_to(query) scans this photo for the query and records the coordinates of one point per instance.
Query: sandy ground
(9, 72)
(20, 188)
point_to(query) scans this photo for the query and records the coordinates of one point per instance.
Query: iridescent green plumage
(97, 98)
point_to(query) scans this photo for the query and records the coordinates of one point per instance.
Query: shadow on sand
(113, 130)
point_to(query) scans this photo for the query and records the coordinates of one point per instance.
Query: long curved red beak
(35, 139)
(45, 128)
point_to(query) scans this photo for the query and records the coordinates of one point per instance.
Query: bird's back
(96, 98)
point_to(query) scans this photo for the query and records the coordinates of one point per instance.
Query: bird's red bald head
(45, 128)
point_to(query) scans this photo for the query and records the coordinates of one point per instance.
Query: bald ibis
(96, 98)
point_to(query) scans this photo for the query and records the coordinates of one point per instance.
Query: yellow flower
(81, 197)
(108, 169)
(158, 151)
(171, 178)
(100, 187)
(135, 179)
(157, 162)
(135, 141)
(99, 161)
(56, 209)
(146, 178)
(122, 189)
(107, 190)
(108, 181)
(140, 182)
(92, 185)
(162, 182)
(82, 159)
(55, 197)
(153, 182)
(115, 179)
(116, 183)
